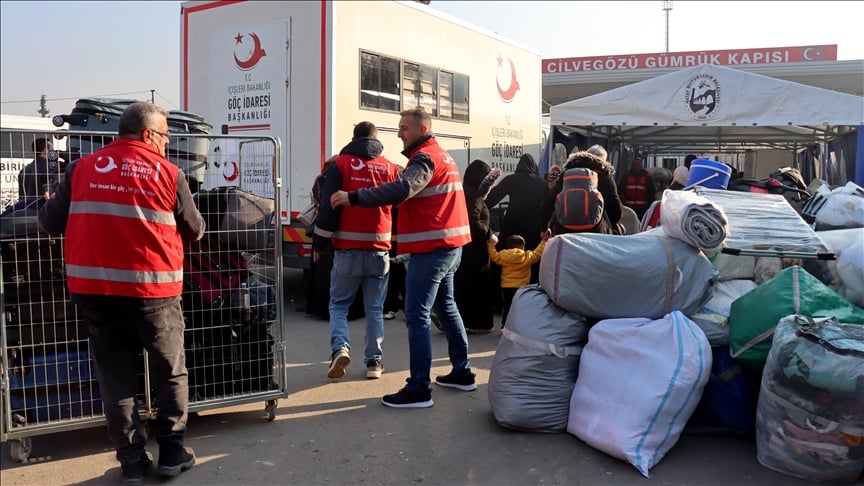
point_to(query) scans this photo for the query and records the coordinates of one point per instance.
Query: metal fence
(232, 297)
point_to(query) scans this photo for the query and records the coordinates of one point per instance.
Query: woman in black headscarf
(526, 190)
(472, 282)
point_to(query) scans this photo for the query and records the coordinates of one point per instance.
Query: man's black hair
(40, 144)
(365, 129)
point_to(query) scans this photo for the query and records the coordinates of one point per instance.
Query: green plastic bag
(754, 315)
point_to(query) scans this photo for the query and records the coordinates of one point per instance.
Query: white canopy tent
(713, 108)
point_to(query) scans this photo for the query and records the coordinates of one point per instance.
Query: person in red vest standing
(433, 226)
(361, 239)
(126, 211)
(637, 188)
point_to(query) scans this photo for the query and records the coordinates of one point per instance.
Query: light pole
(667, 6)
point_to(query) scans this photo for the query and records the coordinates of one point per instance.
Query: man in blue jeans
(433, 226)
(361, 239)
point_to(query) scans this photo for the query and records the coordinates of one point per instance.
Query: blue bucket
(709, 173)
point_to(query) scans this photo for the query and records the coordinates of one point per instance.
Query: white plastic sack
(639, 382)
(713, 317)
(647, 274)
(843, 209)
(845, 275)
(536, 364)
(766, 268)
(850, 267)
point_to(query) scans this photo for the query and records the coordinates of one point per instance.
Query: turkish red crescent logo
(249, 57)
(232, 176)
(508, 93)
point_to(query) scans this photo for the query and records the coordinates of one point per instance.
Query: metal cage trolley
(232, 291)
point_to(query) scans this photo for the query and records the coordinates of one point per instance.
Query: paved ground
(337, 432)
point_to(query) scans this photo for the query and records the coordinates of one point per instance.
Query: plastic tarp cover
(647, 274)
(765, 225)
(639, 382)
(533, 371)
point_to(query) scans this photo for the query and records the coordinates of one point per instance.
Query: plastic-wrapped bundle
(536, 364)
(693, 219)
(809, 420)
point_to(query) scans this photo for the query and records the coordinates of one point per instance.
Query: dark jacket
(472, 283)
(478, 212)
(605, 184)
(38, 177)
(526, 191)
(328, 217)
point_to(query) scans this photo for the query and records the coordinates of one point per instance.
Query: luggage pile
(103, 115)
(50, 373)
(228, 309)
(657, 334)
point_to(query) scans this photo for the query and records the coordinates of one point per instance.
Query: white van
(17, 136)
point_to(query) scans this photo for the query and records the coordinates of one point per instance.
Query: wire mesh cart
(232, 294)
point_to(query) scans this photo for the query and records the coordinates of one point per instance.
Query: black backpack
(579, 205)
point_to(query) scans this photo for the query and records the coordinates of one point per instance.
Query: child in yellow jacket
(515, 265)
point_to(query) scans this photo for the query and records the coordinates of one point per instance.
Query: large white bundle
(639, 382)
(536, 364)
(713, 317)
(647, 274)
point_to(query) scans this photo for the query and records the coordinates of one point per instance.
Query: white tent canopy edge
(709, 107)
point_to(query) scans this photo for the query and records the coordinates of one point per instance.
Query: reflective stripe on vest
(438, 190)
(350, 235)
(126, 276)
(434, 235)
(122, 210)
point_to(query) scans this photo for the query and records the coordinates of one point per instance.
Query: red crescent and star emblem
(230, 176)
(249, 56)
(508, 93)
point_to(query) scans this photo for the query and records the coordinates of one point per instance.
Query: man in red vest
(361, 238)
(637, 188)
(433, 226)
(125, 211)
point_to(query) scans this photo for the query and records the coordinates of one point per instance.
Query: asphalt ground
(336, 431)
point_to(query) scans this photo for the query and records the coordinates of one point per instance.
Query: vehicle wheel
(20, 449)
(270, 408)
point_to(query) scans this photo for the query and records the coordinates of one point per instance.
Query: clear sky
(72, 50)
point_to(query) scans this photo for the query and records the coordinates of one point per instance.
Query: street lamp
(667, 6)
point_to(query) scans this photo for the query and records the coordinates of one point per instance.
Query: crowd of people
(449, 268)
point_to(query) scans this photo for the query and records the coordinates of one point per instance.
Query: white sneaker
(389, 315)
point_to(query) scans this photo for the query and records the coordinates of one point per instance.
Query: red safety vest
(121, 235)
(636, 191)
(437, 216)
(364, 228)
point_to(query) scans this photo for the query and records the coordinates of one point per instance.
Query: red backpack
(579, 205)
